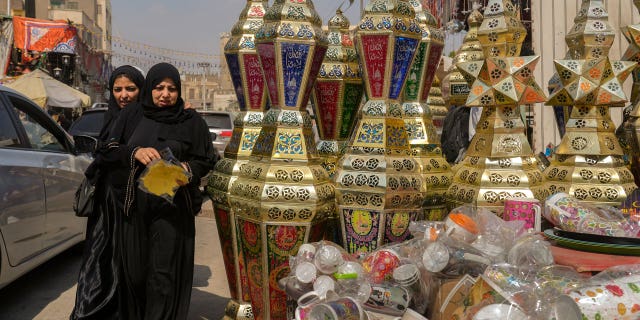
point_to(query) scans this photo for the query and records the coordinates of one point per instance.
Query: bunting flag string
(142, 55)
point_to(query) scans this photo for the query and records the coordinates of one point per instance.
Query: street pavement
(48, 292)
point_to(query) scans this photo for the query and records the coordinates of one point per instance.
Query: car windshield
(217, 120)
(88, 122)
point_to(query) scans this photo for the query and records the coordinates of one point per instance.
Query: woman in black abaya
(97, 292)
(157, 236)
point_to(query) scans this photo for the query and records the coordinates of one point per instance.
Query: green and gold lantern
(246, 75)
(588, 163)
(378, 181)
(499, 162)
(336, 98)
(283, 195)
(423, 138)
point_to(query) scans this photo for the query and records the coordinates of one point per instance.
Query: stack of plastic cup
(408, 276)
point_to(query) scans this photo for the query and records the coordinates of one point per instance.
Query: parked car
(89, 123)
(220, 126)
(40, 170)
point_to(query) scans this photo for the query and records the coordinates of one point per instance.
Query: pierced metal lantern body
(437, 106)
(337, 93)
(422, 134)
(336, 97)
(378, 182)
(588, 163)
(246, 74)
(499, 162)
(630, 135)
(470, 50)
(283, 195)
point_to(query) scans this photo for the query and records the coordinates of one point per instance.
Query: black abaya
(156, 237)
(98, 294)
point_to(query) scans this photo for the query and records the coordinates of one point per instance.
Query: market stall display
(588, 164)
(283, 195)
(251, 91)
(379, 188)
(416, 114)
(499, 162)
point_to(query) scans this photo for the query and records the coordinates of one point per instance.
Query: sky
(192, 25)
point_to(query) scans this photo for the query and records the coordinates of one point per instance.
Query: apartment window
(72, 5)
(56, 3)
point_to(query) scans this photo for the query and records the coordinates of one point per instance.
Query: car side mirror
(214, 136)
(85, 144)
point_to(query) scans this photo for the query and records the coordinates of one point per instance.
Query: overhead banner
(44, 35)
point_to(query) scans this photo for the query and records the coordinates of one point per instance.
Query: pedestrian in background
(64, 122)
(157, 236)
(99, 280)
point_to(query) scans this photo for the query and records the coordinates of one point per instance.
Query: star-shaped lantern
(502, 81)
(590, 82)
(632, 34)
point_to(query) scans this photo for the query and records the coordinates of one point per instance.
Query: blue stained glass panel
(294, 63)
(402, 58)
(236, 78)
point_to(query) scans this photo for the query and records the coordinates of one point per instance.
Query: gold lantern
(423, 138)
(378, 182)
(588, 162)
(499, 162)
(630, 138)
(246, 75)
(336, 98)
(437, 106)
(471, 50)
(283, 195)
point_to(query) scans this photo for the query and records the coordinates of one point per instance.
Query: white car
(40, 170)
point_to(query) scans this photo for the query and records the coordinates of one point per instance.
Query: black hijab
(170, 114)
(113, 112)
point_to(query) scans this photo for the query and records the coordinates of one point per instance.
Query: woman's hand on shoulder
(146, 155)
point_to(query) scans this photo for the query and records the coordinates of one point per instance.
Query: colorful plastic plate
(590, 246)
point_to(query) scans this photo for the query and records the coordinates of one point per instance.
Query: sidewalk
(210, 288)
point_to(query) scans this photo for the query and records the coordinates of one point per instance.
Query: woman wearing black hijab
(97, 294)
(157, 236)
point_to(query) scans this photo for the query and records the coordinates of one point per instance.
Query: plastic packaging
(569, 214)
(162, 177)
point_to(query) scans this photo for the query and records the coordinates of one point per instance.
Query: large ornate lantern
(246, 74)
(283, 195)
(336, 98)
(423, 138)
(499, 162)
(588, 162)
(378, 182)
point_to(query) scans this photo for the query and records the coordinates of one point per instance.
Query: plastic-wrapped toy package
(612, 294)
(569, 214)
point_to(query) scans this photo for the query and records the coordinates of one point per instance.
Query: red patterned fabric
(44, 35)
